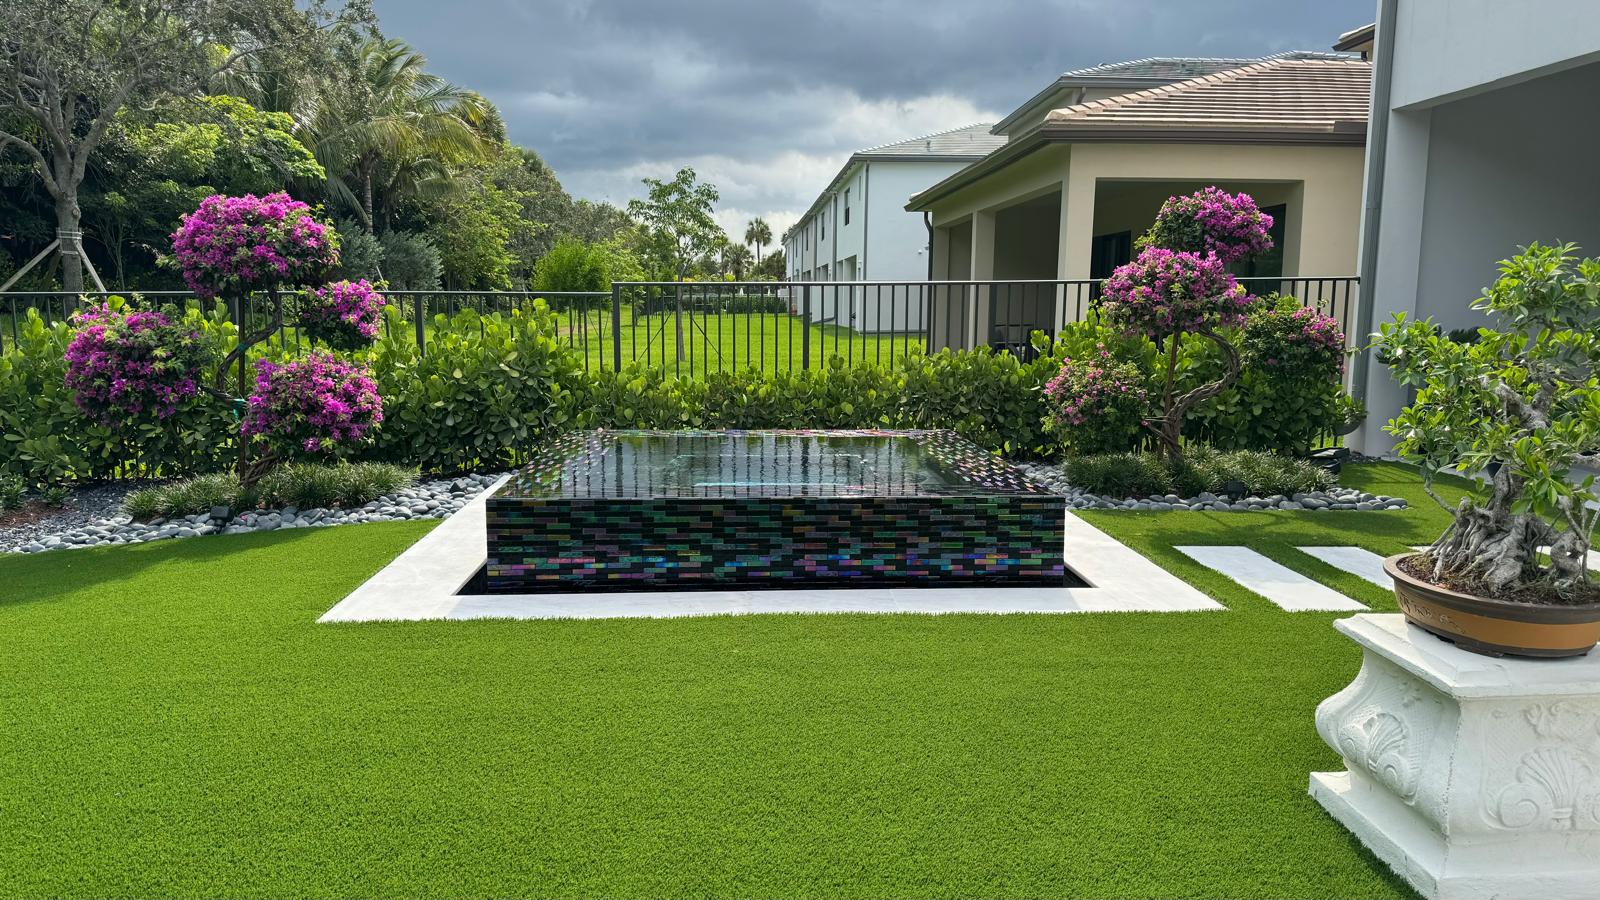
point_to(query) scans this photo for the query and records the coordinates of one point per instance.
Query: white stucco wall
(1490, 145)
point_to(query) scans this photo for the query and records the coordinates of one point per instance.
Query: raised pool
(740, 509)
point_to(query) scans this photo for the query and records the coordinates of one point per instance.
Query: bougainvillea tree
(1211, 221)
(127, 367)
(1166, 295)
(1520, 403)
(1294, 342)
(231, 246)
(345, 315)
(1095, 403)
(316, 405)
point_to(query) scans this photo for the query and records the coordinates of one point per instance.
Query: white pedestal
(1472, 777)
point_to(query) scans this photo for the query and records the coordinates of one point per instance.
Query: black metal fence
(694, 328)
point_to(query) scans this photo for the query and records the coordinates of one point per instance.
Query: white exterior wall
(1489, 146)
(881, 242)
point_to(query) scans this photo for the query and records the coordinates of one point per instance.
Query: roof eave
(1016, 148)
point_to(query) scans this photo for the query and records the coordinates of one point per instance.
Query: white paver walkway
(1354, 560)
(1278, 583)
(423, 581)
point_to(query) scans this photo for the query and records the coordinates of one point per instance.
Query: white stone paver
(422, 583)
(1355, 560)
(1278, 583)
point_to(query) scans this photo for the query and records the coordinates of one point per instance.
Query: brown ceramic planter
(1494, 627)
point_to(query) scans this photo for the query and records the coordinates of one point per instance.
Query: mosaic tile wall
(1012, 535)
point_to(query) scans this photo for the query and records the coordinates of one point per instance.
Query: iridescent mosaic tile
(780, 508)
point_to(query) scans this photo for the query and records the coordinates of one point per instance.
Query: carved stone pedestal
(1472, 777)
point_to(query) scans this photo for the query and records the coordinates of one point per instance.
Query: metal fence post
(417, 314)
(616, 328)
(805, 327)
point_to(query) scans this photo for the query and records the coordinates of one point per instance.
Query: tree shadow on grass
(50, 575)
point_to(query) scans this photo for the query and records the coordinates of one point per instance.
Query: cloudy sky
(767, 99)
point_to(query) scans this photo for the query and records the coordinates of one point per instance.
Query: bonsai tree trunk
(1169, 428)
(237, 361)
(1492, 545)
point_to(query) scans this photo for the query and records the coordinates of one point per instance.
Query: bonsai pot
(1494, 627)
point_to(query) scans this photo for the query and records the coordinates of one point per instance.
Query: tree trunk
(1170, 432)
(68, 218)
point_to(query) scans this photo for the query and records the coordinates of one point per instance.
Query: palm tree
(758, 232)
(395, 130)
(735, 260)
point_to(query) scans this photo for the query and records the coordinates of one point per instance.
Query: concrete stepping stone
(1362, 563)
(1285, 587)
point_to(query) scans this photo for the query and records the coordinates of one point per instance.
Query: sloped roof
(1179, 68)
(969, 141)
(1297, 99)
(1286, 96)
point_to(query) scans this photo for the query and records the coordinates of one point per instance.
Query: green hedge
(492, 387)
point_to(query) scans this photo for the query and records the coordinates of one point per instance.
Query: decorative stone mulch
(93, 517)
(1332, 498)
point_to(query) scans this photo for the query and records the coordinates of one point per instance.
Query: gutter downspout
(1377, 152)
(927, 222)
(866, 218)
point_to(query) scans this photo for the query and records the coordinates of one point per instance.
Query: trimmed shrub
(1120, 474)
(319, 404)
(12, 491)
(1096, 404)
(488, 389)
(345, 315)
(233, 245)
(126, 367)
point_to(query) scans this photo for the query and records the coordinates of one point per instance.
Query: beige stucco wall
(1321, 184)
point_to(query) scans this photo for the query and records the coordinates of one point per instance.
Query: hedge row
(491, 388)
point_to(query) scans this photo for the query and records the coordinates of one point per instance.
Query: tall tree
(67, 67)
(759, 233)
(736, 260)
(396, 131)
(677, 218)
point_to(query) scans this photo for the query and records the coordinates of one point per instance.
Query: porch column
(982, 270)
(1076, 241)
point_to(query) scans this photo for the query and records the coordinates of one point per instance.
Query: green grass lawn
(174, 723)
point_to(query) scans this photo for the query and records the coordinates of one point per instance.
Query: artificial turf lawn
(174, 723)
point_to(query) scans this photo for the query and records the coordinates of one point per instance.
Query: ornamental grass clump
(1519, 405)
(230, 246)
(127, 367)
(1095, 404)
(316, 405)
(345, 315)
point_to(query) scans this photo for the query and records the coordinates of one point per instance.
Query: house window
(823, 224)
(847, 206)
(1269, 264)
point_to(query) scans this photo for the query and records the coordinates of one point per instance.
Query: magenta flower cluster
(319, 403)
(1096, 403)
(126, 366)
(1167, 292)
(1212, 221)
(231, 245)
(344, 315)
(1300, 342)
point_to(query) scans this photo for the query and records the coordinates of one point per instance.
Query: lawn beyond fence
(695, 328)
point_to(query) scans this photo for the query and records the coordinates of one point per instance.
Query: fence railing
(694, 328)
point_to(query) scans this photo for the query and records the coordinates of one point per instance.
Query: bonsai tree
(1167, 295)
(232, 246)
(1519, 403)
(1180, 285)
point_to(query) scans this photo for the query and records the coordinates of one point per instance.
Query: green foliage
(572, 265)
(44, 438)
(360, 253)
(991, 398)
(472, 230)
(12, 491)
(305, 485)
(54, 494)
(1199, 469)
(487, 389)
(410, 261)
(677, 220)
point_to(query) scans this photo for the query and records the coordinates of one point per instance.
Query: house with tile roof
(1088, 161)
